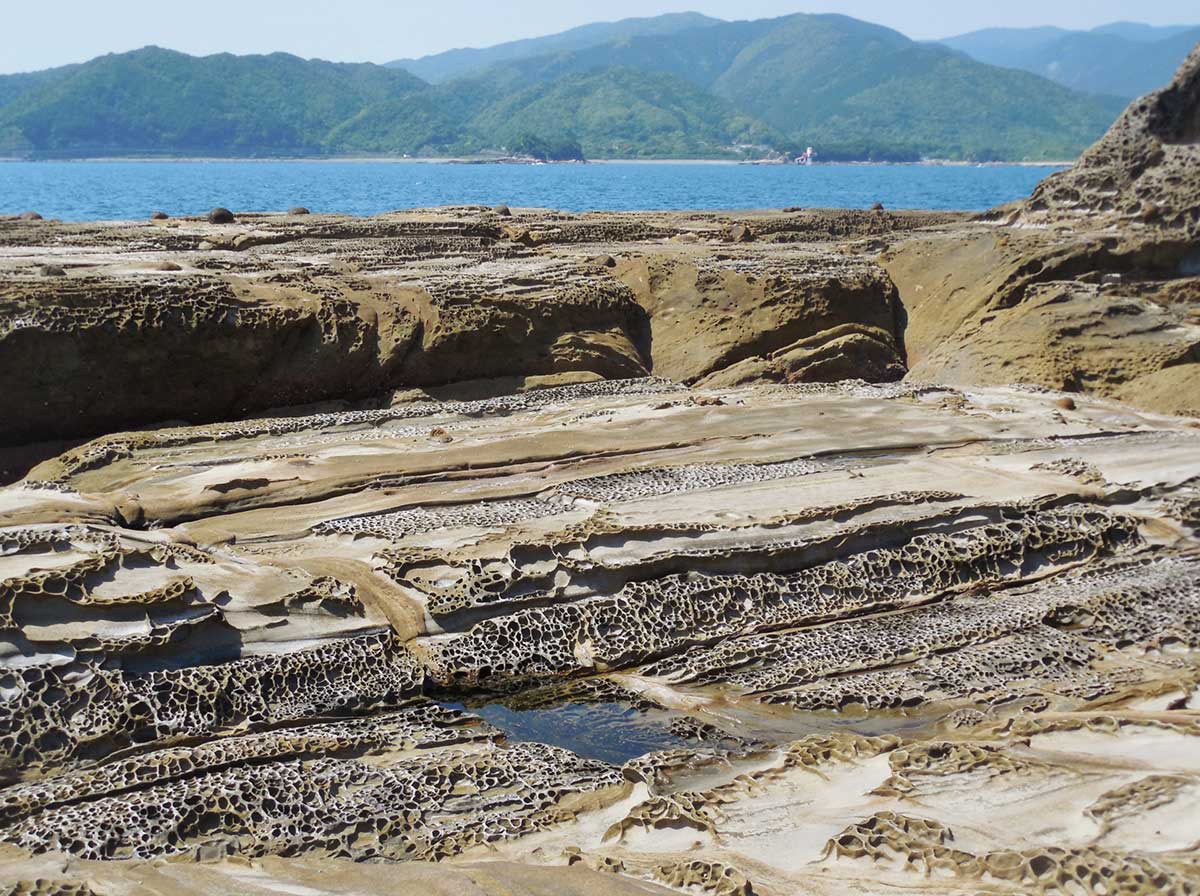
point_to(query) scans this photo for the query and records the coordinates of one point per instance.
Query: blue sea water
(103, 190)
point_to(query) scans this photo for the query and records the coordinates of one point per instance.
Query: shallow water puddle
(613, 732)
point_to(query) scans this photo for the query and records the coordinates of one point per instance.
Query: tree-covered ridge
(862, 91)
(452, 64)
(154, 100)
(626, 113)
(855, 90)
(725, 90)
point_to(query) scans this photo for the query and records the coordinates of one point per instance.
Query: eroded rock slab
(1091, 285)
(187, 320)
(626, 634)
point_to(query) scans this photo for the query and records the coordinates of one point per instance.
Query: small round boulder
(221, 216)
(1067, 403)
(52, 270)
(299, 210)
(502, 210)
(159, 216)
(30, 216)
(739, 233)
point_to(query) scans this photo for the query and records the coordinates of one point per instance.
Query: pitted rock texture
(56, 712)
(1145, 169)
(661, 616)
(916, 842)
(628, 596)
(426, 808)
(766, 639)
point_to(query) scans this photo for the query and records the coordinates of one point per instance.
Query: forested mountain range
(679, 86)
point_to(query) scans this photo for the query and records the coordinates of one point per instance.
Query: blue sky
(54, 32)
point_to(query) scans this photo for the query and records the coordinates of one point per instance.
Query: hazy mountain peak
(1124, 59)
(1139, 31)
(440, 67)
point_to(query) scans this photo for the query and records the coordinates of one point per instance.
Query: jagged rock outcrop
(1091, 285)
(1145, 172)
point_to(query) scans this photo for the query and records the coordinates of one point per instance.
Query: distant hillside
(699, 55)
(1124, 59)
(611, 113)
(1141, 31)
(853, 89)
(442, 67)
(159, 101)
(719, 89)
(861, 90)
(13, 87)
(624, 113)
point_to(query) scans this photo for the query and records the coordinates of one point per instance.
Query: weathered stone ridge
(1145, 170)
(1091, 285)
(215, 321)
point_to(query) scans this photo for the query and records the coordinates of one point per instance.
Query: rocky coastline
(509, 551)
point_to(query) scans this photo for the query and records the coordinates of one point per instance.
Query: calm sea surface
(82, 191)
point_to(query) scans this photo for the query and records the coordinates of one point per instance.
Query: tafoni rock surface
(459, 553)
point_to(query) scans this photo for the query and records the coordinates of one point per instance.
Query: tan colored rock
(674, 610)
(1147, 167)
(1089, 285)
(328, 309)
(709, 315)
(1073, 337)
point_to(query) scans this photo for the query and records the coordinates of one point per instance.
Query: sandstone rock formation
(1145, 172)
(766, 639)
(610, 553)
(1091, 285)
(279, 311)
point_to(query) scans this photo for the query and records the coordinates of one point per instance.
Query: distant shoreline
(439, 160)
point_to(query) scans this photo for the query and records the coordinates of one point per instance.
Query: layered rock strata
(210, 322)
(629, 635)
(574, 575)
